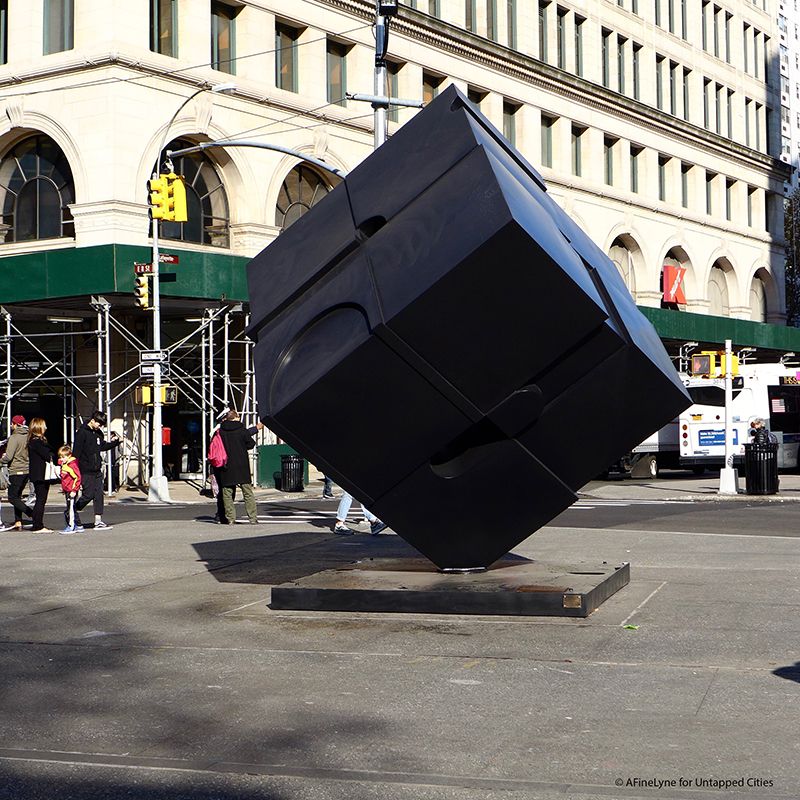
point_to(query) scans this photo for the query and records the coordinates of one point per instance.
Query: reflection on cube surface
(441, 339)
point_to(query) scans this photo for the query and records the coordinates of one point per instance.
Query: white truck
(696, 439)
(769, 391)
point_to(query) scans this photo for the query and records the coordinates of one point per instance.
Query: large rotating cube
(440, 338)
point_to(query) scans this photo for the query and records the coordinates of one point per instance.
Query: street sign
(142, 269)
(148, 370)
(168, 258)
(146, 356)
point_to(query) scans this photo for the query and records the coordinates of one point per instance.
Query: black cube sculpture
(440, 338)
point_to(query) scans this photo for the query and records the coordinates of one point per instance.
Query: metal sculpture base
(511, 586)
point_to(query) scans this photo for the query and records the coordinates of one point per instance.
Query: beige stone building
(654, 122)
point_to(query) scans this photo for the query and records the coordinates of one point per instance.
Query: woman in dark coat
(236, 472)
(39, 453)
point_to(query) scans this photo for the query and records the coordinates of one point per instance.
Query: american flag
(778, 406)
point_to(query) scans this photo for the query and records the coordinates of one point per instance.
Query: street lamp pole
(158, 487)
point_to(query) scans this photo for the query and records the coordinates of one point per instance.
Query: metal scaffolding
(211, 365)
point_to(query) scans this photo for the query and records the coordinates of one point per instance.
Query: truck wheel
(645, 467)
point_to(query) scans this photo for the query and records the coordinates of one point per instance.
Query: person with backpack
(232, 468)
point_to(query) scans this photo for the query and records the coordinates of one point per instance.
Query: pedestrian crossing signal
(144, 395)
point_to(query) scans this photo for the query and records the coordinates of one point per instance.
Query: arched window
(36, 187)
(302, 188)
(622, 253)
(207, 203)
(758, 300)
(719, 305)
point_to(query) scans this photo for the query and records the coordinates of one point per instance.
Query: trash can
(761, 468)
(292, 473)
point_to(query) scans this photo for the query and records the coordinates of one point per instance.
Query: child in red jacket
(70, 485)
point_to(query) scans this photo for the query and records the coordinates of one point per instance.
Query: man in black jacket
(89, 443)
(236, 472)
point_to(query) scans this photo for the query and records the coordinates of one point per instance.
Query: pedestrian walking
(71, 486)
(327, 488)
(216, 488)
(237, 441)
(16, 457)
(88, 445)
(39, 455)
(340, 527)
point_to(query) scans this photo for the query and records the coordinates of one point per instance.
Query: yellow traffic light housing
(713, 364)
(175, 210)
(141, 291)
(144, 395)
(157, 188)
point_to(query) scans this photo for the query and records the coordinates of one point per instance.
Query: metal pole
(7, 317)
(204, 406)
(381, 44)
(107, 337)
(99, 358)
(226, 359)
(159, 487)
(728, 478)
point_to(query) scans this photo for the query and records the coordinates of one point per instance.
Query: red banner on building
(673, 284)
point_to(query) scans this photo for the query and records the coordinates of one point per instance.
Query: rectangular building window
(685, 168)
(59, 26)
(673, 88)
(637, 82)
(671, 16)
(561, 37)
(663, 161)
(747, 111)
(621, 64)
(3, 31)
(684, 21)
(510, 121)
(758, 126)
(608, 160)
(750, 202)
(686, 74)
(337, 72)
(579, 45)
(706, 103)
(717, 12)
(163, 27)
(577, 148)
(393, 75)
(756, 36)
(718, 109)
(606, 57)
(710, 192)
(765, 52)
(704, 26)
(471, 13)
(491, 20)
(511, 22)
(433, 8)
(729, 109)
(635, 6)
(430, 86)
(657, 4)
(547, 140)
(660, 82)
(728, 37)
(636, 153)
(746, 46)
(729, 199)
(223, 37)
(543, 15)
(286, 57)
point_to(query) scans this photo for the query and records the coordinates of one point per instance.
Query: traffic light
(175, 207)
(141, 291)
(157, 188)
(713, 364)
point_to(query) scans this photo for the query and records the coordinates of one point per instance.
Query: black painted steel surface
(439, 337)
